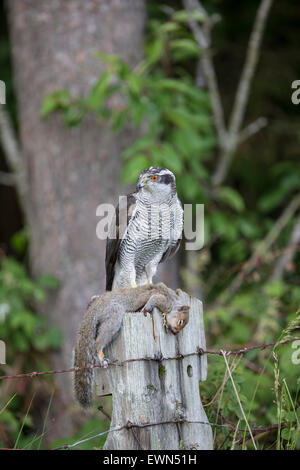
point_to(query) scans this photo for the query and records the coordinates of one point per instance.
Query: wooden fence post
(165, 391)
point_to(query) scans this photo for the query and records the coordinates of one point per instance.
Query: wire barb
(157, 357)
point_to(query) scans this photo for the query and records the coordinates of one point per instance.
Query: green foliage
(20, 327)
(285, 181)
(27, 337)
(257, 393)
(264, 402)
(90, 428)
(19, 241)
(58, 100)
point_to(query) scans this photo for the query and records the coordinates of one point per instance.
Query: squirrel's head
(178, 319)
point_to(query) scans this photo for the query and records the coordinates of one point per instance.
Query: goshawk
(150, 234)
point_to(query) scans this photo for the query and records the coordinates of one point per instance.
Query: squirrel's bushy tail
(84, 357)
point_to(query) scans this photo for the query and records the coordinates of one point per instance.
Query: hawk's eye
(154, 178)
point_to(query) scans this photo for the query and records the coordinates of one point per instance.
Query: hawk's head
(158, 181)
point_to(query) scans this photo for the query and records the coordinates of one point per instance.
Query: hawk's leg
(131, 275)
(151, 268)
(141, 279)
(125, 275)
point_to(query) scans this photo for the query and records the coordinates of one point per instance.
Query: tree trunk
(70, 171)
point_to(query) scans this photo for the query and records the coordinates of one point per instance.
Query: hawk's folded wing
(171, 250)
(174, 243)
(113, 241)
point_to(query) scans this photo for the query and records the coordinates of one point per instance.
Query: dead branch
(229, 138)
(252, 129)
(202, 37)
(242, 94)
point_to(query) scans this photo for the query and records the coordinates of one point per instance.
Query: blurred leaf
(99, 91)
(19, 241)
(183, 16)
(109, 58)
(48, 282)
(248, 228)
(223, 225)
(181, 87)
(231, 197)
(154, 50)
(57, 100)
(191, 187)
(74, 114)
(278, 195)
(184, 48)
(241, 332)
(275, 288)
(143, 143)
(133, 168)
(169, 158)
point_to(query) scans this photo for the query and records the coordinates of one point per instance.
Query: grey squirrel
(103, 321)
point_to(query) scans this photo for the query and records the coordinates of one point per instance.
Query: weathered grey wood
(152, 392)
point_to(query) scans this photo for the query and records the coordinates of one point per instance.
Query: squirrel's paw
(147, 310)
(104, 362)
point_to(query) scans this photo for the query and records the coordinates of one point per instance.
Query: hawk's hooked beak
(141, 184)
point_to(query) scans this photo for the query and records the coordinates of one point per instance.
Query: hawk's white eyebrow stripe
(162, 173)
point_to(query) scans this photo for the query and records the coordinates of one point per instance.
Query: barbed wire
(130, 426)
(158, 358)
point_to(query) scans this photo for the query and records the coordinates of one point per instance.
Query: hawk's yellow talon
(149, 280)
(133, 284)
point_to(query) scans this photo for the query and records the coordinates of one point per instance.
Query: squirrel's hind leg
(107, 331)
